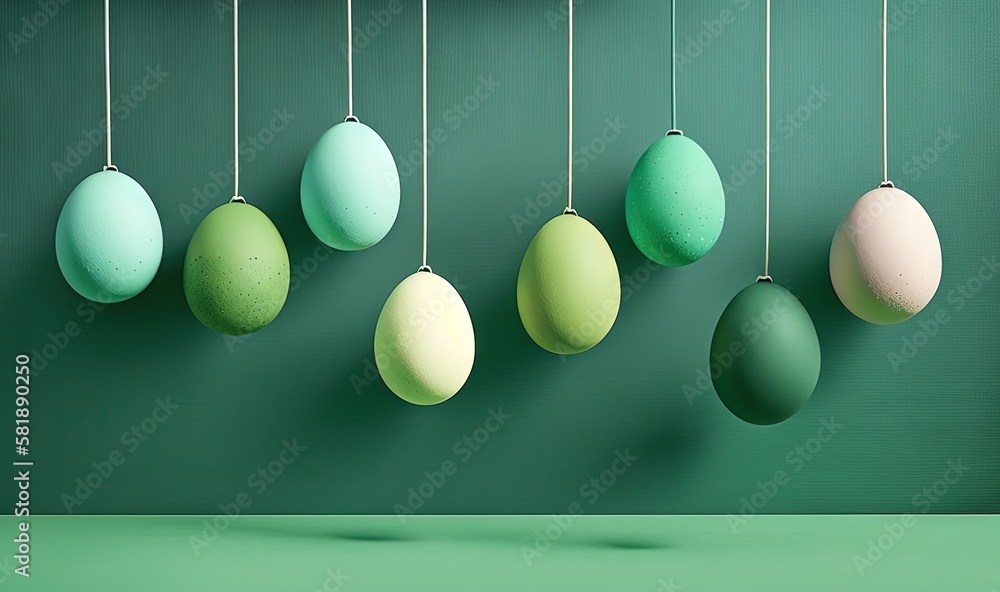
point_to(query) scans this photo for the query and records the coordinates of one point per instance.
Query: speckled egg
(885, 260)
(568, 290)
(236, 271)
(350, 187)
(108, 238)
(424, 342)
(675, 205)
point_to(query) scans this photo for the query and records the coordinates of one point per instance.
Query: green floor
(511, 553)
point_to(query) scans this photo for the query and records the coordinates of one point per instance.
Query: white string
(673, 64)
(236, 100)
(885, 93)
(767, 139)
(569, 169)
(350, 63)
(424, 121)
(107, 77)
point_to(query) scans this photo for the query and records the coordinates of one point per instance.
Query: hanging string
(767, 139)
(236, 102)
(673, 65)
(885, 95)
(569, 166)
(423, 63)
(350, 65)
(107, 80)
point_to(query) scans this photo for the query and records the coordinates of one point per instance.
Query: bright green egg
(236, 270)
(675, 205)
(350, 187)
(765, 356)
(108, 239)
(568, 290)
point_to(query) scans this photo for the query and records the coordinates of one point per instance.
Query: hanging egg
(424, 342)
(236, 271)
(350, 187)
(568, 290)
(765, 356)
(885, 260)
(108, 239)
(675, 205)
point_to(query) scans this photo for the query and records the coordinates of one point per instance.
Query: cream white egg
(885, 260)
(424, 342)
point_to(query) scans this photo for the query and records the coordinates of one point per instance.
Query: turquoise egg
(568, 290)
(236, 271)
(675, 205)
(765, 356)
(350, 187)
(108, 239)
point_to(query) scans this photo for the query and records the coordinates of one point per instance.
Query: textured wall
(238, 400)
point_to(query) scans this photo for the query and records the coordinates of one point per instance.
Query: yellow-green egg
(236, 271)
(568, 290)
(675, 205)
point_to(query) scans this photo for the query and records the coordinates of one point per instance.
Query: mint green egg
(108, 238)
(350, 187)
(236, 271)
(675, 205)
(568, 290)
(765, 356)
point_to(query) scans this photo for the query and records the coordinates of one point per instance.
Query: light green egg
(424, 342)
(675, 205)
(568, 290)
(350, 187)
(236, 270)
(109, 242)
(765, 356)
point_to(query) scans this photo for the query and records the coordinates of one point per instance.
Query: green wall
(308, 378)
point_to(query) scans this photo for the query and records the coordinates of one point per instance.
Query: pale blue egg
(350, 187)
(108, 239)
